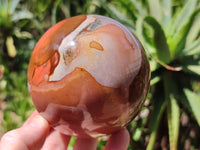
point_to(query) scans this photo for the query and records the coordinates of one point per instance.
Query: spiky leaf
(193, 102)
(159, 107)
(173, 117)
(159, 40)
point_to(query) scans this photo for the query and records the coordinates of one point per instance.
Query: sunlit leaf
(156, 49)
(194, 68)
(13, 5)
(139, 7)
(194, 31)
(173, 110)
(180, 19)
(71, 143)
(173, 115)
(137, 134)
(23, 14)
(154, 80)
(155, 9)
(160, 41)
(141, 36)
(66, 8)
(192, 49)
(192, 64)
(54, 11)
(22, 34)
(159, 107)
(128, 9)
(167, 13)
(11, 47)
(193, 102)
(177, 42)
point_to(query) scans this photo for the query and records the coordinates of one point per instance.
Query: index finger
(31, 117)
(29, 136)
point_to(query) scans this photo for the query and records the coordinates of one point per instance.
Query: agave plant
(170, 32)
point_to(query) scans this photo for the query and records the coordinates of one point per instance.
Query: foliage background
(170, 33)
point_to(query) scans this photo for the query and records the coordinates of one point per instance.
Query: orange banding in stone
(96, 45)
(49, 43)
(42, 73)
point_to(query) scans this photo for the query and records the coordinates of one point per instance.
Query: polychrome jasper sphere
(88, 76)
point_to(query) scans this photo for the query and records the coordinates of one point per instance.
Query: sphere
(88, 76)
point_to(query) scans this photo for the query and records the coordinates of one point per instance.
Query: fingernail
(38, 121)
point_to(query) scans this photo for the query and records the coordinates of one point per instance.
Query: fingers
(30, 136)
(118, 141)
(85, 144)
(36, 132)
(56, 141)
(31, 118)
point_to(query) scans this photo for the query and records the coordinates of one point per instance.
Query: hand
(36, 134)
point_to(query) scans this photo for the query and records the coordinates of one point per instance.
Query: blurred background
(169, 30)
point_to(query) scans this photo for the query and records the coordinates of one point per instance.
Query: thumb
(29, 136)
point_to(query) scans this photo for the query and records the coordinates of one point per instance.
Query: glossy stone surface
(88, 76)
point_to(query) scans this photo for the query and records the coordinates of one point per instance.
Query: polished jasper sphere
(88, 76)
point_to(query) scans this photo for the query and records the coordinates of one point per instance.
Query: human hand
(36, 134)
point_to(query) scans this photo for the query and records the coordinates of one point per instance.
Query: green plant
(170, 32)
(19, 105)
(14, 58)
(12, 20)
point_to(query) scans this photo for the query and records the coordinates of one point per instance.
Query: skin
(36, 133)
